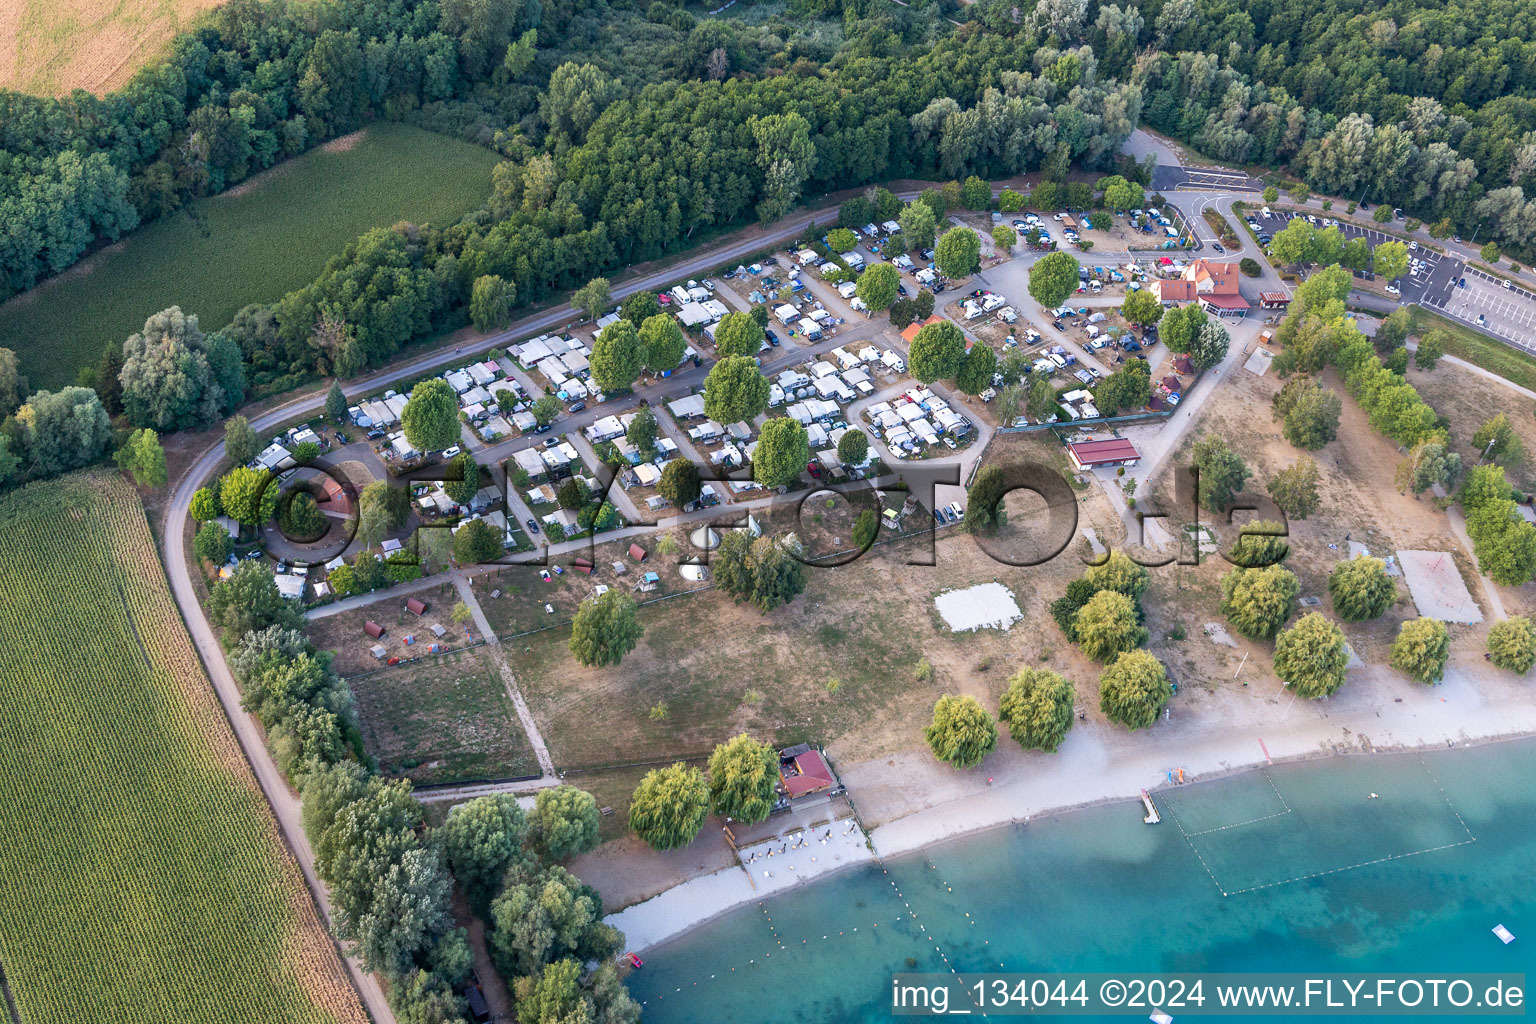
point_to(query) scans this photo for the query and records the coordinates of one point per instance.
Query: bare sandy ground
(913, 801)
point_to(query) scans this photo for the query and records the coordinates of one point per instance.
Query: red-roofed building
(1216, 287)
(1173, 290)
(909, 335)
(1274, 300)
(1114, 451)
(802, 771)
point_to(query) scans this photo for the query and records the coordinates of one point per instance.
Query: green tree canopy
(1210, 345)
(1120, 574)
(782, 453)
(1310, 656)
(546, 409)
(592, 297)
(1180, 326)
(1421, 649)
(760, 572)
(490, 302)
(638, 307)
(1053, 278)
(918, 225)
(481, 839)
(1257, 602)
(1038, 708)
(1107, 625)
(142, 458)
(853, 447)
(1309, 414)
(431, 416)
(545, 915)
(738, 334)
(976, 369)
(616, 356)
(175, 378)
(1294, 489)
(1361, 588)
(248, 600)
(878, 285)
(464, 489)
(961, 733)
(743, 774)
(336, 403)
(249, 496)
(1222, 472)
(680, 483)
(205, 505)
(937, 352)
(476, 542)
(958, 253)
(1134, 689)
(735, 390)
(841, 240)
(1259, 543)
(662, 342)
(1497, 441)
(1141, 307)
(212, 544)
(669, 806)
(240, 441)
(566, 821)
(1512, 644)
(604, 629)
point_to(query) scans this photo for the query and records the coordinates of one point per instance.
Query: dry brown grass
(50, 47)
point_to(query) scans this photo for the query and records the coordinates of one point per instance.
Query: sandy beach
(913, 801)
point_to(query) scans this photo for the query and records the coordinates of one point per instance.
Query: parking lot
(1485, 302)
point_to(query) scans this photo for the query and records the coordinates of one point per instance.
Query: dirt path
(530, 727)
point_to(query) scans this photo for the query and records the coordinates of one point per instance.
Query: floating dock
(1152, 817)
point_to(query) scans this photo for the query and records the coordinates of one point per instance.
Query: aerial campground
(766, 511)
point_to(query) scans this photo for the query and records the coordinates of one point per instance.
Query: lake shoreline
(1083, 776)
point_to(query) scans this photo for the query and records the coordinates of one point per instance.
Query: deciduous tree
(937, 352)
(1038, 708)
(592, 297)
(481, 839)
(1222, 472)
(669, 806)
(737, 334)
(1294, 489)
(1361, 588)
(1141, 307)
(743, 774)
(1512, 644)
(1257, 602)
(566, 821)
(1421, 649)
(782, 453)
(958, 253)
(679, 482)
(1107, 626)
(1310, 657)
(431, 416)
(1053, 278)
(1134, 689)
(604, 629)
(735, 390)
(961, 733)
(663, 343)
(617, 356)
(490, 302)
(853, 447)
(877, 286)
(142, 458)
(248, 600)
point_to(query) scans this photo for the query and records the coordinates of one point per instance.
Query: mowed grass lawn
(142, 876)
(274, 235)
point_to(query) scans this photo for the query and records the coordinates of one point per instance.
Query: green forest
(623, 131)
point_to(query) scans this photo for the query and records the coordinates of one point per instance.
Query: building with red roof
(1113, 451)
(803, 771)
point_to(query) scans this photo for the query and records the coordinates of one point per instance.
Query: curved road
(284, 801)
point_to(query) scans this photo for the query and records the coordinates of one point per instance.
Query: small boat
(1159, 1017)
(1505, 935)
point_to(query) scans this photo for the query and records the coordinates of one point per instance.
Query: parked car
(533, 526)
(814, 468)
(773, 339)
(578, 407)
(1217, 247)
(1482, 321)
(452, 453)
(543, 428)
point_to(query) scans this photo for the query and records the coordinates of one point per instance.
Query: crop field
(49, 47)
(144, 877)
(255, 243)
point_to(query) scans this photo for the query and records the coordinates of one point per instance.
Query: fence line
(1139, 417)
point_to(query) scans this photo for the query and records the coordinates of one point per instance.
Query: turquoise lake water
(1446, 851)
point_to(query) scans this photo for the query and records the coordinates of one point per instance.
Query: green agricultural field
(144, 877)
(253, 244)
